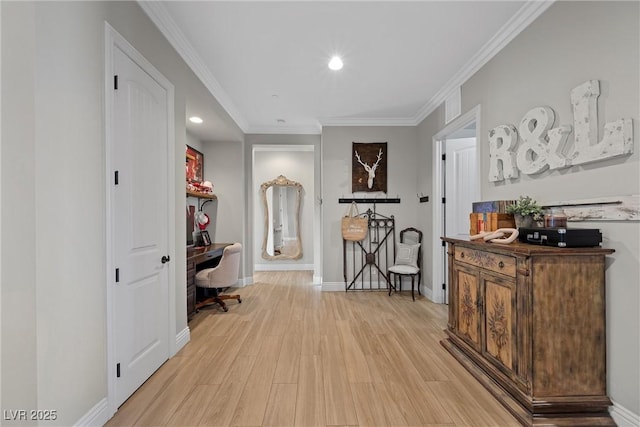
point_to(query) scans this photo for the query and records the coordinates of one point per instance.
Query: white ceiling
(267, 60)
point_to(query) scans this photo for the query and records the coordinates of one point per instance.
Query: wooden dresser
(529, 323)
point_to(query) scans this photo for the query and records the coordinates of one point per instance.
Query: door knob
(165, 259)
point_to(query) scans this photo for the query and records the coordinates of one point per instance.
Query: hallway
(291, 355)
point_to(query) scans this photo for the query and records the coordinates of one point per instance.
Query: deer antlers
(371, 170)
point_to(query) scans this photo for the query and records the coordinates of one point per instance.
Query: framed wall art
(194, 165)
(369, 167)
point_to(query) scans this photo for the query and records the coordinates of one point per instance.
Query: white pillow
(407, 254)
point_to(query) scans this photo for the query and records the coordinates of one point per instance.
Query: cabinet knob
(501, 264)
(165, 259)
(461, 254)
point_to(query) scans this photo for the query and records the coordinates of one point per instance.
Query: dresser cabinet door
(499, 323)
(468, 305)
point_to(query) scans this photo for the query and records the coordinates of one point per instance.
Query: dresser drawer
(502, 264)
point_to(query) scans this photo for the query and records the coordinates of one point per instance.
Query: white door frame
(257, 202)
(437, 266)
(114, 40)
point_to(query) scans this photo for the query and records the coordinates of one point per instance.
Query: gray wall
(19, 318)
(426, 130)
(223, 166)
(53, 196)
(402, 166)
(570, 43)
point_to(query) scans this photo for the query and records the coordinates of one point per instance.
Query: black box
(561, 237)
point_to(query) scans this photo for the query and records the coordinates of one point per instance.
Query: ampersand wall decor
(543, 147)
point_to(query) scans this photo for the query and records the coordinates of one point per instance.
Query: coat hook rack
(368, 200)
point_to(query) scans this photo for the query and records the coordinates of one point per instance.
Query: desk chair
(408, 259)
(225, 274)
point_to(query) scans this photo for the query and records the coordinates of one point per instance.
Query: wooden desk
(197, 259)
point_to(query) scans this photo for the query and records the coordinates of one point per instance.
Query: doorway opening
(297, 163)
(456, 184)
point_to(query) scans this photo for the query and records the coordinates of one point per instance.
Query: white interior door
(462, 188)
(140, 225)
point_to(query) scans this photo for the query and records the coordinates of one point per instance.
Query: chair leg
(412, 285)
(222, 304)
(218, 299)
(223, 297)
(419, 280)
(211, 301)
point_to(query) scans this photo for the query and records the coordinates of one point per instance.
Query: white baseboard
(332, 286)
(317, 280)
(182, 338)
(428, 293)
(624, 417)
(245, 281)
(283, 267)
(97, 416)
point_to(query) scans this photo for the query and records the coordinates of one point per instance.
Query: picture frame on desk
(205, 238)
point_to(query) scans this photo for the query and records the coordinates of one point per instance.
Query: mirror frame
(285, 182)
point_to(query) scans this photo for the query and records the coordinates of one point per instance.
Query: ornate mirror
(281, 199)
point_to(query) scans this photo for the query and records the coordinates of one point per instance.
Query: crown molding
(368, 121)
(285, 130)
(158, 14)
(514, 26)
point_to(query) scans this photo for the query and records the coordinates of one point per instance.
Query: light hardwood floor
(291, 355)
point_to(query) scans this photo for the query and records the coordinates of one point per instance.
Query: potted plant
(525, 211)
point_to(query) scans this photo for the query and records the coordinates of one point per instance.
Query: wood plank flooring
(291, 355)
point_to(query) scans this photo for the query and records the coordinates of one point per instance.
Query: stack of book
(490, 216)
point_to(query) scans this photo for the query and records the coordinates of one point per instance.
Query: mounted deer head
(371, 170)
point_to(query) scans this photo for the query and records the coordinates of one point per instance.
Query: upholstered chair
(408, 259)
(224, 275)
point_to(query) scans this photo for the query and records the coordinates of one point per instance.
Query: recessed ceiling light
(195, 119)
(335, 63)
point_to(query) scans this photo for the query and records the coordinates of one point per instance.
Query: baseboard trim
(332, 286)
(317, 280)
(246, 281)
(283, 267)
(428, 293)
(624, 417)
(182, 338)
(97, 416)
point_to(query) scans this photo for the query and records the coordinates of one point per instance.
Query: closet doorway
(140, 173)
(456, 165)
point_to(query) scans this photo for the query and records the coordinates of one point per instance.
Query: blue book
(497, 206)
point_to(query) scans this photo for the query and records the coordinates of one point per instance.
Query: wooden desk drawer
(502, 264)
